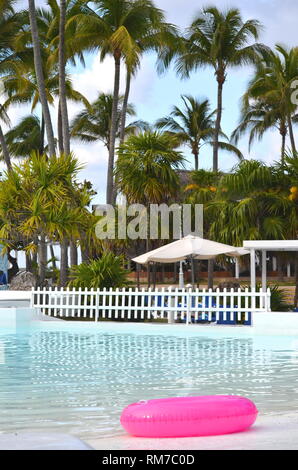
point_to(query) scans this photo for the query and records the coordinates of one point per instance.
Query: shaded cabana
(265, 246)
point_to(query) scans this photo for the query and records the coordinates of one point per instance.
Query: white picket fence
(185, 305)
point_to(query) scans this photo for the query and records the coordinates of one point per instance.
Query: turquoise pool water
(77, 379)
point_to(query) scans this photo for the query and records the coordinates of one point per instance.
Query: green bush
(278, 298)
(106, 271)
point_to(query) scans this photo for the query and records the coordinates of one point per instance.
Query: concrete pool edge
(270, 432)
(264, 324)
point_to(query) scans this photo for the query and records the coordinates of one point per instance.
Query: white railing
(185, 305)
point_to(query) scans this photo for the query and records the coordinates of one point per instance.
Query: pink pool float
(189, 416)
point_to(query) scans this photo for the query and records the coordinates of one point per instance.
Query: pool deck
(271, 432)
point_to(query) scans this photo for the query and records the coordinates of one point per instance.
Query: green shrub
(106, 271)
(278, 298)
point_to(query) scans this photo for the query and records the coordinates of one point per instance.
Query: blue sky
(153, 95)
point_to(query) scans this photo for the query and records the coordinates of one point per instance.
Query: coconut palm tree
(10, 21)
(94, 122)
(114, 27)
(267, 102)
(220, 40)
(40, 77)
(25, 137)
(258, 117)
(62, 78)
(194, 126)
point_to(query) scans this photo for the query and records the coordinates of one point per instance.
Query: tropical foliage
(107, 271)
(42, 201)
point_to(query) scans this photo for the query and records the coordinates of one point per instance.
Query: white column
(289, 270)
(274, 263)
(264, 274)
(264, 270)
(171, 316)
(253, 268)
(237, 268)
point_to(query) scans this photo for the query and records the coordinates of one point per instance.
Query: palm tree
(25, 137)
(251, 203)
(3, 143)
(19, 74)
(40, 77)
(193, 126)
(267, 102)
(258, 117)
(62, 78)
(146, 169)
(40, 202)
(221, 40)
(115, 27)
(9, 24)
(94, 122)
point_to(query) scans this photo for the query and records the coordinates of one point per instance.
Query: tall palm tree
(40, 77)
(220, 40)
(259, 116)
(115, 27)
(267, 102)
(10, 21)
(62, 78)
(194, 126)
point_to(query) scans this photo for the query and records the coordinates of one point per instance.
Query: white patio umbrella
(189, 247)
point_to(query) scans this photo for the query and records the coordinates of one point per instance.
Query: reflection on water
(79, 383)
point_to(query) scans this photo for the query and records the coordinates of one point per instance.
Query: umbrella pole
(181, 276)
(154, 276)
(192, 271)
(210, 273)
(138, 267)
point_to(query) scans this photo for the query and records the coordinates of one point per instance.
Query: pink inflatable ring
(189, 416)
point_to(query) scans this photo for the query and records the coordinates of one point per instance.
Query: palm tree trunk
(62, 86)
(28, 260)
(73, 254)
(59, 130)
(5, 151)
(124, 107)
(113, 131)
(210, 273)
(63, 263)
(42, 259)
(283, 144)
(42, 130)
(196, 156)
(220, 81)
(85, 254)
(40, 77)
(292, 137)
(53, 256)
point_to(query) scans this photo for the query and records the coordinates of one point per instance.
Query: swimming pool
(77, 378)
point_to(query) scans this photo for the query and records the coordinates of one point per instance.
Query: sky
(154, 95)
